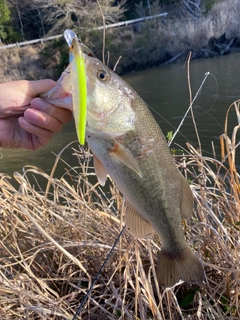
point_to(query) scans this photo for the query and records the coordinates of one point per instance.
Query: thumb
(38, 87)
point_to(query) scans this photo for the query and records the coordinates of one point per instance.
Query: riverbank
(170, 39)
(141, 46)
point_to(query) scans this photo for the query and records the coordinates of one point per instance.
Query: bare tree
(17, 7)
(61, 14)
(36, 18)
(194, 8)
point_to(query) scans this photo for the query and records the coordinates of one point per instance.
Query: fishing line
(168, 122)
(207, 112)
(189, 108)
(191, 105)
(98, 274)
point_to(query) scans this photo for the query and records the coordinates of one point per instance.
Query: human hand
(27, 121)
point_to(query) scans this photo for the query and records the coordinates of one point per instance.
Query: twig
(191, 104)
(104, 32)
(189, 108)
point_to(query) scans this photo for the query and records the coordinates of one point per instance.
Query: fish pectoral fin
(122, 154)
(137, 226)
(100, 171)
(187, 199)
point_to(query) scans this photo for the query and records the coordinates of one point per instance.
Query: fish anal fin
(100, 171)
(137, 226)
(125, 156)
(187, 199)
(184, 266)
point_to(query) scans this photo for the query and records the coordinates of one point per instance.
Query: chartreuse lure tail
(79, 83)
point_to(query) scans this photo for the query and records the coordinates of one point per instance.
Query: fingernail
(23, 122)
(38, 103)
(33, 115)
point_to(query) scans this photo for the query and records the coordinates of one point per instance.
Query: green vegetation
(4, 17)
(208, 4)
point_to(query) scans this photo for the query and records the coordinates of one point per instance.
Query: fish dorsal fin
(122, 154)
(100, 171)
(137, 226)
(187, 199)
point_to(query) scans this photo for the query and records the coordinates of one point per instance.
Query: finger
(62, 115)
(40, 136)
(42, 120)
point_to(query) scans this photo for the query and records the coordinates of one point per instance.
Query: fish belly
(156, 194)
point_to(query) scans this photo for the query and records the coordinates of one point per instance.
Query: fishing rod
(98, 274)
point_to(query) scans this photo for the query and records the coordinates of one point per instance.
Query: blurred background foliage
(191, 25)
(31, 19)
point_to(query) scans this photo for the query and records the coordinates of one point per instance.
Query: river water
(166, 91)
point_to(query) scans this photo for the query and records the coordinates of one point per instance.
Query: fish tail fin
(184, 266)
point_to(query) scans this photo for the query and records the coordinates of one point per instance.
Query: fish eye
(103, 75)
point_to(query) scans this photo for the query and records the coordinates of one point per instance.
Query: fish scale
(158, 193)
(128, 144)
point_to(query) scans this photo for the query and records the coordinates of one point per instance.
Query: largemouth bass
(128, 144)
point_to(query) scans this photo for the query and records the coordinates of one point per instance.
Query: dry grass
(194, 34)
(157, 41)
(53, 242)
(28, 63)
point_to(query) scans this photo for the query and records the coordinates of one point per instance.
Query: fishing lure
(79, 83)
